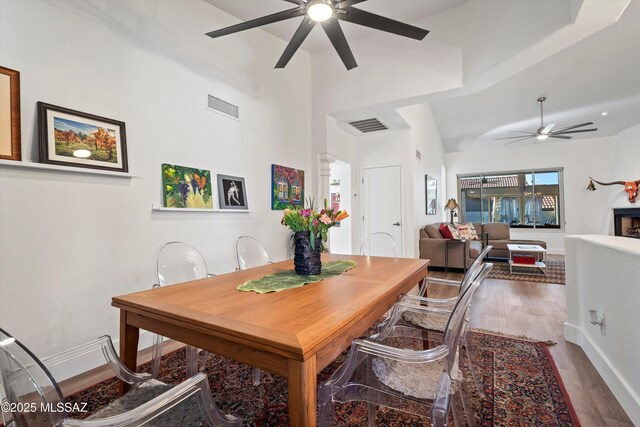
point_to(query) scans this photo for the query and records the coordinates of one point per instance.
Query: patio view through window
(522, 199)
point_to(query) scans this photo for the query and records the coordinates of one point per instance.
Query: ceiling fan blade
(514, 137)
(573, 127)
(294, 2)
(371, 20)
(548, 128)
(560, 136)
(573, 131)
(523, 131)
(301, 33)
(518, 140)
(336, 35)
(269, 19)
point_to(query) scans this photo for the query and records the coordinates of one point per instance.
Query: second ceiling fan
(327, 13)
(545, 131)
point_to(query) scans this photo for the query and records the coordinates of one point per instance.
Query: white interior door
(382, 210)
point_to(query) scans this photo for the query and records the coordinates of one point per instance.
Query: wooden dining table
(294, 333)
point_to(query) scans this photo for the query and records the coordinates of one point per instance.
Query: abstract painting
(287, 186)
(185, 187)
(73, 138)
(231, 192)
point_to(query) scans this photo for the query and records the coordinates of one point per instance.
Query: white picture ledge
(65, 169)
(163, 209)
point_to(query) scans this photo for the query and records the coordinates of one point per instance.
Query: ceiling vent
(220, 106)
(369, 125)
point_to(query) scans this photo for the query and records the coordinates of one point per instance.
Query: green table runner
(289, 279)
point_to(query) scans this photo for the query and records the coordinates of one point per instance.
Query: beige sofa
(498, 235)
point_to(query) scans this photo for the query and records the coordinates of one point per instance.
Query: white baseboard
(571, 333)
(628, 399)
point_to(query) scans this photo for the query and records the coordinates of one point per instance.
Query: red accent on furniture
(444, 230)
(517, 259)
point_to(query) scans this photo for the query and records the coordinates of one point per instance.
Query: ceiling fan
(327, 13)
(545, 132)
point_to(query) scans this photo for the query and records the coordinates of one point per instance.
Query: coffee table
(539, 251)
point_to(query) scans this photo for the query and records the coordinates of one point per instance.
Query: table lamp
(452, 205)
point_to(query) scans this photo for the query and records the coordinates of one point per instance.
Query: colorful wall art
(74, 138)
(287, 186)
(185, 187)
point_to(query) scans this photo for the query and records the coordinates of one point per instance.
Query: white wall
(426, 139)
(396, 148)
(69, 242)
(586, 212)
(602, 275)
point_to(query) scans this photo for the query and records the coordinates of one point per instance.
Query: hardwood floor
(538, 311)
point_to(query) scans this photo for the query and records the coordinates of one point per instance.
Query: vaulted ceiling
(483, 65)
(598, 74)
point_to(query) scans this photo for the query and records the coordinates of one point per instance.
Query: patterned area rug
(555, 272)
(520, 380)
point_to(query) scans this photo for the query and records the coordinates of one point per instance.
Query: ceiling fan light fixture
(320, 10)
(542, 137)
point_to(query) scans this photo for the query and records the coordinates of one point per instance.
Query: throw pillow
(467, 231)
(448, 231)
(445, 231)
(463, 231)
(474, 233)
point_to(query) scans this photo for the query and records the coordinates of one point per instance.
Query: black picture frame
(108, 135)
(229, 198)
(431, 195)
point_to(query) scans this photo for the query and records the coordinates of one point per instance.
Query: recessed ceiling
(399, 10)
(595, 75)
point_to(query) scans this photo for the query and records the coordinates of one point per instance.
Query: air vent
(223, 107)
(368, 125)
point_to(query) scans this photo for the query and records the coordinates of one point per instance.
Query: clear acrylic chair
(408, 312)
(35, 396)
(422, 382)
(458, 283)
(250, 253)
(379, 244)
(177, 262)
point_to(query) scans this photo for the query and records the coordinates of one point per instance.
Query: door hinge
(363, 180)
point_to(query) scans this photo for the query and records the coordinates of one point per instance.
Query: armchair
(422, 382)
(177, 262)
(36, 400)
(379, 244)
(250, 253)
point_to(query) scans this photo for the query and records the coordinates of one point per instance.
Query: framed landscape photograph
(73, 138)
(232, 192)
(10, 114)
(431, 189)
(287, 186)
(185, 187)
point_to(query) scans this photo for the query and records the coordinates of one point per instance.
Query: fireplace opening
(626, 222)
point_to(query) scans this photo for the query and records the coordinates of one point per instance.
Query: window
(522, 199)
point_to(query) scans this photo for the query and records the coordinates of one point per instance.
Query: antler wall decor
(631, 187)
